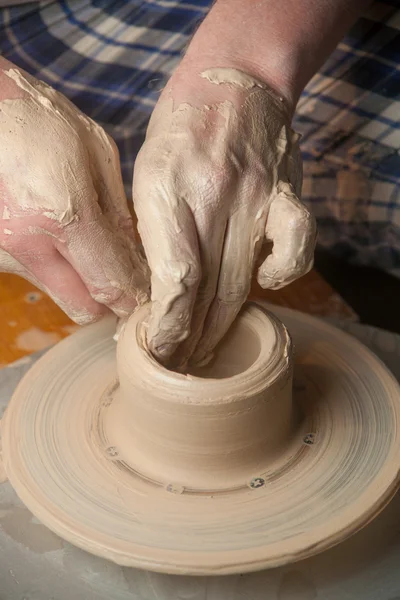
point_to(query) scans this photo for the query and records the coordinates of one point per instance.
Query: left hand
(64, 218)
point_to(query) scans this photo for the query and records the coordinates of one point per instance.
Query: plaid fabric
(112, 57)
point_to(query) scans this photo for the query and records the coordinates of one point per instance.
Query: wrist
(204, 81)
(274, 64)
(190, 73)
(282, 44)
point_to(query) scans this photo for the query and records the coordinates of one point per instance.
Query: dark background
(373, 295)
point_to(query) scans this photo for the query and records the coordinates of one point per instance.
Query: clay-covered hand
(218, 175)
(64, 219)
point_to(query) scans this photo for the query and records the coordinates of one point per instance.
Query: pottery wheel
(341, 470)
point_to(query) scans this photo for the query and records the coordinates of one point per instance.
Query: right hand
(64, 219)
(219, 174)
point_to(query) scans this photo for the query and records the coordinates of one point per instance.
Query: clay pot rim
(260, 374)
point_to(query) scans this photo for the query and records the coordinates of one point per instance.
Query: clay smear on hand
(64, 220)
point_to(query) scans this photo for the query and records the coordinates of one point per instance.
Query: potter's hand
(64, 220)
(218, 175)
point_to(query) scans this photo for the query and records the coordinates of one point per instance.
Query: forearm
(282, 42)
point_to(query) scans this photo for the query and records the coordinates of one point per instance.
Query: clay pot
(215, 426)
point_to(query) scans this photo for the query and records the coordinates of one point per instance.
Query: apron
(111, 58)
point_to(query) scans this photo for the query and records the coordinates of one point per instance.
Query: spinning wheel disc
(341, 469)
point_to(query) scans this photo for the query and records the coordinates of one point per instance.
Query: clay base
(341, 469)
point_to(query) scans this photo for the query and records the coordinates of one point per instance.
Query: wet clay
(58, 173)
(304, 472)
(213, 427)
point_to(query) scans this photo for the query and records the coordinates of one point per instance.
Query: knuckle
(174, 278)
(208, 177)
(191, 276)
(153, 159)
(152, 175)
(185, 173)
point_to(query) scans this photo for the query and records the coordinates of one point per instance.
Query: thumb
(292, 230)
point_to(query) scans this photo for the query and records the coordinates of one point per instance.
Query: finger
(211, 235)
(238, 257)
(50, 272)
(292, 229)
(169, 236)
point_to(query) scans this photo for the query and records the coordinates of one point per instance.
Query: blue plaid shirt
(111, 58)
